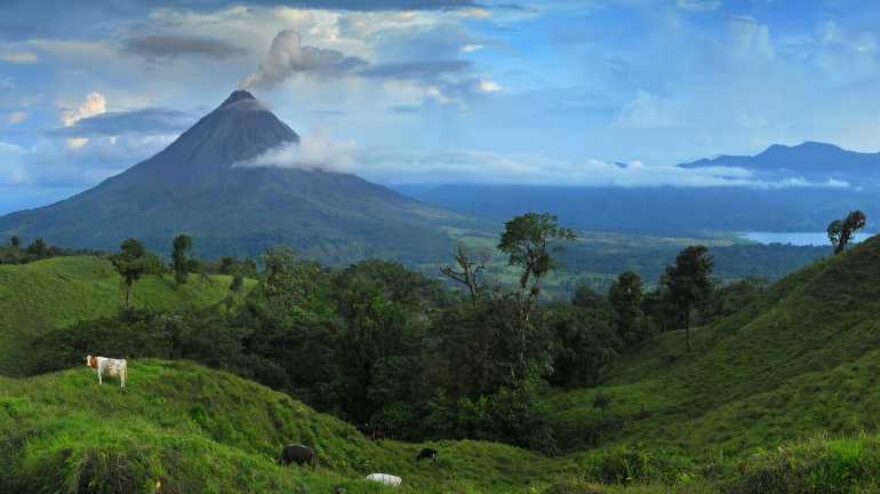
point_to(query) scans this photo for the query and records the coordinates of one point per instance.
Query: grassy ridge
(179, 427)
(799, 362)
(56, 292)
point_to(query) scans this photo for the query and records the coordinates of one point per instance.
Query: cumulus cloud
(288, 56)
(95, 104)
(315, 151)
(170, 46)
(19, 57)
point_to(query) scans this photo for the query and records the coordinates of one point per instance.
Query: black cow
(427, 454)
(299, 454)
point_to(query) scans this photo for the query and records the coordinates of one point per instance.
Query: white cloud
(16, 117)
(471, 47)
(489, 86)
(472, 166)
(19, 57)
(94, 104)
(315, 151)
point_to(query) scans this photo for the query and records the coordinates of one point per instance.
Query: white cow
(111, 367)
(385, 478)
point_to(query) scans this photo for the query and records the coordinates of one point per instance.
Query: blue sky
(554, 92)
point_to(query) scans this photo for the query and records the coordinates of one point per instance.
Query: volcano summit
(194, 186)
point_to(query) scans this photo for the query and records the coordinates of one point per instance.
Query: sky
(590, 92)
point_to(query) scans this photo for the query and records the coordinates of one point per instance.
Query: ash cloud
(288, 56)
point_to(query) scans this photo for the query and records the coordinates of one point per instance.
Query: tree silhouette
(625, 296)
(179, 260)
(526, 240)
(687, 282)
(841, 232)
(132, 262)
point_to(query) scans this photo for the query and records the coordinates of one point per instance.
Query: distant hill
(195, 186)
(813, 160)
(806, 187)
(669, 211)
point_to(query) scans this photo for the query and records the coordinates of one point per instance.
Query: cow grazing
(385, 478)
(299, 454)
(427, 454)
(110, 367)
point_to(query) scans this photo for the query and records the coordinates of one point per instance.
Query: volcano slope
(205, 183)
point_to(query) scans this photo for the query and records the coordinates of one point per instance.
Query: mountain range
(819, 182)
(812, 160)
(198, 185)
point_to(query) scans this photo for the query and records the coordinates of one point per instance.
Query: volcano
(195, 186)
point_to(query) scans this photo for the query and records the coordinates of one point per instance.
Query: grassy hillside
(56, 292)
(179, 427)
(802, 360)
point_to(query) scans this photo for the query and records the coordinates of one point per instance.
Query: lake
(796, 238)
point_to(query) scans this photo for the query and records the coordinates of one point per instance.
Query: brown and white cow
(110, 367)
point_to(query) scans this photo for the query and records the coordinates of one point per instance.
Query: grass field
(56, 292)
(179, 427)
(803, 360)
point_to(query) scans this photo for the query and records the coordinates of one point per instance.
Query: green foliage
(38, 249)
(181, 264)
(132, 262)
(841, 232)
(687, 282)
(625, 296)
(526, 241)
(585, 341)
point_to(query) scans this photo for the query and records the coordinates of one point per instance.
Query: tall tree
(132, 262)
(625, 296)
(687, 282)
(15, 242)
(526, 239)
(841, 232)
(469, 272)
(179, 257)
(853, 222)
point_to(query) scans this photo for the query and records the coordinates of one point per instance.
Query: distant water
(796, 238)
